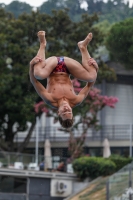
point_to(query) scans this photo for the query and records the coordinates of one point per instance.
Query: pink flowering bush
(98, 101)
(92, 104)
(89, 108)
(41, 107)
(75, 147)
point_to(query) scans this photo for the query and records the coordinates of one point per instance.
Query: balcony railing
(112, 132)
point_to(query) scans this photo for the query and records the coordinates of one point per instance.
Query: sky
(37, 3)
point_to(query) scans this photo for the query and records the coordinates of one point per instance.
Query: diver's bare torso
(60, 87)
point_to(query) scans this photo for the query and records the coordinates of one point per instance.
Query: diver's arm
(40, 89)
(84, 92)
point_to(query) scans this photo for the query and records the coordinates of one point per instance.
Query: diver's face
(65, 111)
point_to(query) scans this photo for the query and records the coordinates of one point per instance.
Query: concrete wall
(37, 185)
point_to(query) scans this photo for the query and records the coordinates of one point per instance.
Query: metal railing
(119, 185)
(112, 132)
(8, 160)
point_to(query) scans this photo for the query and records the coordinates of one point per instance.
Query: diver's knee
(91, 81)
(41, 74)
(38, 74)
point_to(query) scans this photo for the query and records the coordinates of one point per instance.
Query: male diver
(59, 92)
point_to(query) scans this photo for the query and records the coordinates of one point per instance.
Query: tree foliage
(50, 5)
(18, 8)
(120, 42)
(112, 10)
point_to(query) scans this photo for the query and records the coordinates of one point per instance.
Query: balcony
(55, 134)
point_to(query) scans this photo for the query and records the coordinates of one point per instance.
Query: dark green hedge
(120, 161)
(93, 167)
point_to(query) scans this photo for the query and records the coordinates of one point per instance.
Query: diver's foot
(41, 36)
(83, 44)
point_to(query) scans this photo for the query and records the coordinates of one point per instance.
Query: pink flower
(77, 89)
(40, 107)
(76, 83)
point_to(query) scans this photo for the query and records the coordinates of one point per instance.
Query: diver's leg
(86, 72)
(84, 51)
(44, 68)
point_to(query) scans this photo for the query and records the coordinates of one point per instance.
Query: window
(12, 184)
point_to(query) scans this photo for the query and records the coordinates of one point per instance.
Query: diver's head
(65, 115)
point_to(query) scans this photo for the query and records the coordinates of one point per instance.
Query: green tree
(120, 42)
(112, 10)
(16, 103)
(17, 8)
(50, 5)
(95, 6)
(74, 8)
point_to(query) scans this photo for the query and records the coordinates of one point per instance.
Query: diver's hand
(35, 60)
(93, 62)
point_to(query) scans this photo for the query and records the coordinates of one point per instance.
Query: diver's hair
(66, 123)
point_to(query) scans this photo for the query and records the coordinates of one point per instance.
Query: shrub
(93, 167)
(108, 167)
(120, 161)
